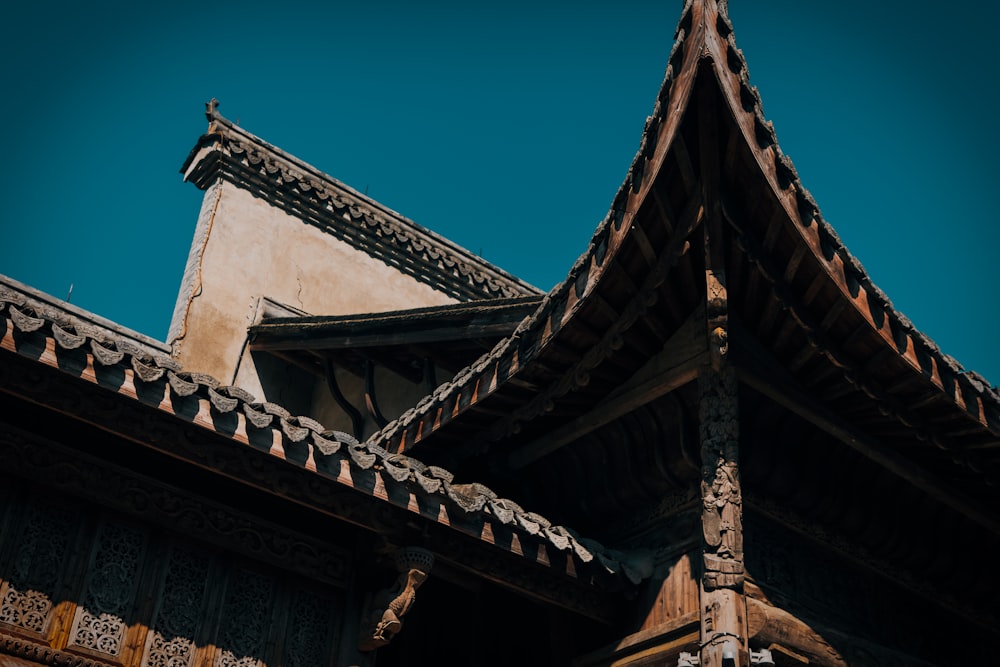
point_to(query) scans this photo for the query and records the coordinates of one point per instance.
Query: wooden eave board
(464, 321)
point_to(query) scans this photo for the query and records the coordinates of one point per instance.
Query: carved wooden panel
(309, 640)
(40, 535)
(107, 602)
(246, 620)
(809, 580)
(173, 635)
(83, 588)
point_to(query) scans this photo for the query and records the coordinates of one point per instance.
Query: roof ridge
(229, 151)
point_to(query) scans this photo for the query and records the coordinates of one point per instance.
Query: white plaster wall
(246, 249)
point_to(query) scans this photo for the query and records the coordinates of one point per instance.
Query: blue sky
(506, 127)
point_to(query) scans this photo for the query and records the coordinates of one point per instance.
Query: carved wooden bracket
(370, 401)
(383, 618)
(357, 421)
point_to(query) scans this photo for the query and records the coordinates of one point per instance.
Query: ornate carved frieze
(842, 580)
(31, 456)
(37, 653)
(184, 598)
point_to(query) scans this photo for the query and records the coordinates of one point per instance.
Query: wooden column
(723, 605)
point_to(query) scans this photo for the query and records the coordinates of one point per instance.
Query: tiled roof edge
(30, 316)
(507, 357)
(808, 211)
(247, 161)
(69, 315)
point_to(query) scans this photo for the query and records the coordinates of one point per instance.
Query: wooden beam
(262, 339)
(676, 365)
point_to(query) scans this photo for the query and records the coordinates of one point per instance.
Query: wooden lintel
(385, 338)
(757, 369)
(683, 355)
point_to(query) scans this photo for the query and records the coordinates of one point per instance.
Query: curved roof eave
(46, 333)
(704, 33)
(509, 357)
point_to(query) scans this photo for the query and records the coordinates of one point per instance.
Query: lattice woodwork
(109, 591)
(37, 565)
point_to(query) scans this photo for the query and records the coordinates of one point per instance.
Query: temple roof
(824, 359)
(228, 151)
(806, 314)
(47, 333)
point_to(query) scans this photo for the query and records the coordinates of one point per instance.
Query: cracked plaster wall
(245, 249)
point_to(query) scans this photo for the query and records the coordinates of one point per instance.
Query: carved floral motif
(101, 624)
(36, 567)
(27, 609)
(245, 620)
(308, 641)
(172, 636)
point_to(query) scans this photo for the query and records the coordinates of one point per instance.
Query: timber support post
(723, 604)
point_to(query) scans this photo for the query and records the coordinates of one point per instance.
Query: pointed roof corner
(212, 109)
(706, 145)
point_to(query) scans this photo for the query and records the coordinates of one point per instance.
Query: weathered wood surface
(657, 645)
(676, 597)
(820, 645)
(770, 625)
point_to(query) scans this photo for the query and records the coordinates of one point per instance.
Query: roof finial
(210, 109)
